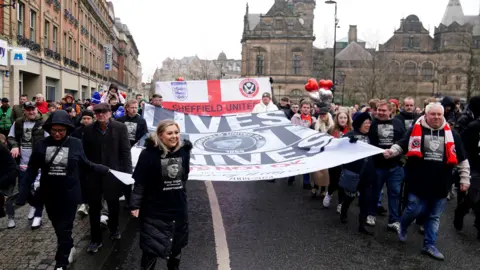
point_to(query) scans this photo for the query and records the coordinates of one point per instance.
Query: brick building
(66, 40)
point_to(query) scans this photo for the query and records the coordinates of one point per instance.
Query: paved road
(273, 226)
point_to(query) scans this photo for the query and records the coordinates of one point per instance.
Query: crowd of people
(430, 154)
(62, 155)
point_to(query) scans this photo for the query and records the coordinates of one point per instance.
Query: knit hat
(87, 113)
(266, 94)
(474, 106)
(358, 122)
(395, 101)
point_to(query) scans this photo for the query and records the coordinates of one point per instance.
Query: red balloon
(180, 79)
(329, 84)
(311, 85)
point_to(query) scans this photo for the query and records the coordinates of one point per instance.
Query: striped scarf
(415, 143)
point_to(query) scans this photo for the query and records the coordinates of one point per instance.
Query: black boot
(173, 264)
(344, 214)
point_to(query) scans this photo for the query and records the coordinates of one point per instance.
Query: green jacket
(5, 119)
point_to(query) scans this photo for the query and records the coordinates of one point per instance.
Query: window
(46, 37)
(85, 61)
(65, 44)
(445, 79)
(410, 69)
(20, 18)
(278, 24)
(296, 64)
(33, 26)
(458, 86)
(74, 52)
(394, 68)
(50, 91)
(459, 78)
(54, 38)
(259, 70)
(427, 72)
(82, 61)
(69, 51)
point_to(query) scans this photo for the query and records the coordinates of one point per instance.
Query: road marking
(221, 245)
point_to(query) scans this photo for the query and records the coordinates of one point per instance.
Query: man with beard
(105, 142)
(24, 135)
(17, 110)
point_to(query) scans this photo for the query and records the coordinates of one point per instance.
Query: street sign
(107, 66)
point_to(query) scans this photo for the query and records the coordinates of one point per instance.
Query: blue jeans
(430, 209)
(33, 200)
(393, 178)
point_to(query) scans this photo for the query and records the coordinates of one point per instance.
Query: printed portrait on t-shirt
(385, 134)
(59, 163)
(172, 173)
(433, 147)
(27, 138)
(132, 130)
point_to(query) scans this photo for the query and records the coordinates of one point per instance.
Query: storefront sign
(18, 57)
(3, 53)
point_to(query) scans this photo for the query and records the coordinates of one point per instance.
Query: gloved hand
(353, 139)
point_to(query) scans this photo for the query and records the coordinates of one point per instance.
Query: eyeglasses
(61, 130)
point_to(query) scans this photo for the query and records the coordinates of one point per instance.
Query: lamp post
(343, 76)
(334, 42)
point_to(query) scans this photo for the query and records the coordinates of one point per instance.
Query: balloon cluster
(319, 91)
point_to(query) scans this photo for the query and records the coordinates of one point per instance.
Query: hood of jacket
(59, 117)
(448, 102)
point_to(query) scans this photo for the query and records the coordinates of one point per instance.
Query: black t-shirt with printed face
(384, 134)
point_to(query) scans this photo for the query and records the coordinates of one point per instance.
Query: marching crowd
(429, 154)
(62, 156)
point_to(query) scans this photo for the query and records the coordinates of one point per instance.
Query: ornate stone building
(279, 44)
(414, 63)
(194, 68)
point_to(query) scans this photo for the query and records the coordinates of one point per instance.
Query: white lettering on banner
(277, 118)
(202, 128)
(236, 124)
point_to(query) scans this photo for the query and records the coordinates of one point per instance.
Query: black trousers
(62, 216)
(366, 200)
(471, 200)
(127, 192)
(334, 174)
(95, 207)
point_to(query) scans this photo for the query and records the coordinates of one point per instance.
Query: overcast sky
(178, 28)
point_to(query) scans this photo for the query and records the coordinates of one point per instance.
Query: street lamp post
(343, 76)
(334, 42)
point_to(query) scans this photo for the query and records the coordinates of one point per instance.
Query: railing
(84, 31)
(70, 62)
(71, 19)
(84, 69)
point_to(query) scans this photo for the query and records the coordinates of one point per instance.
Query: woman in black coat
(60, 158)
(159, 197)
(365, 168)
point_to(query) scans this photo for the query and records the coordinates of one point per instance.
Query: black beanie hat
(474, 106)
(87, 113)
(357, 123)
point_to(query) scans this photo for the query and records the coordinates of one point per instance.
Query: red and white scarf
(415, 143)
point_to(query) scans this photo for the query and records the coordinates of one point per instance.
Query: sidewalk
(22, 248)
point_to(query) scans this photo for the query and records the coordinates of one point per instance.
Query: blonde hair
(322, 126)
(155, 136)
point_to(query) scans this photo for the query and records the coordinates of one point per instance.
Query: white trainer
(371, 221)
(31, 214)
(339, 208)
(71, 256)
(11, 223)
(82, 210)
(36, 223)
(326, 200)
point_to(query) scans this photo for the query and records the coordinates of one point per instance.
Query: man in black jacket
(105, 142)
(471, 138)
(407, 115)
(383, 133)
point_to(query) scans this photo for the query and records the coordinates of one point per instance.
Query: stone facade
(194, 68)
(412, 62)
(279, 45)
(66, 40)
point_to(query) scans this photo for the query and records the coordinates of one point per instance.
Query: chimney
(352, 34)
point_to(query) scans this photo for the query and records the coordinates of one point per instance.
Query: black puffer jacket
(160, 195)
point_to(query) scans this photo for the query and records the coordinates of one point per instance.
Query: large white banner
(252, 147)
(213, 97)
